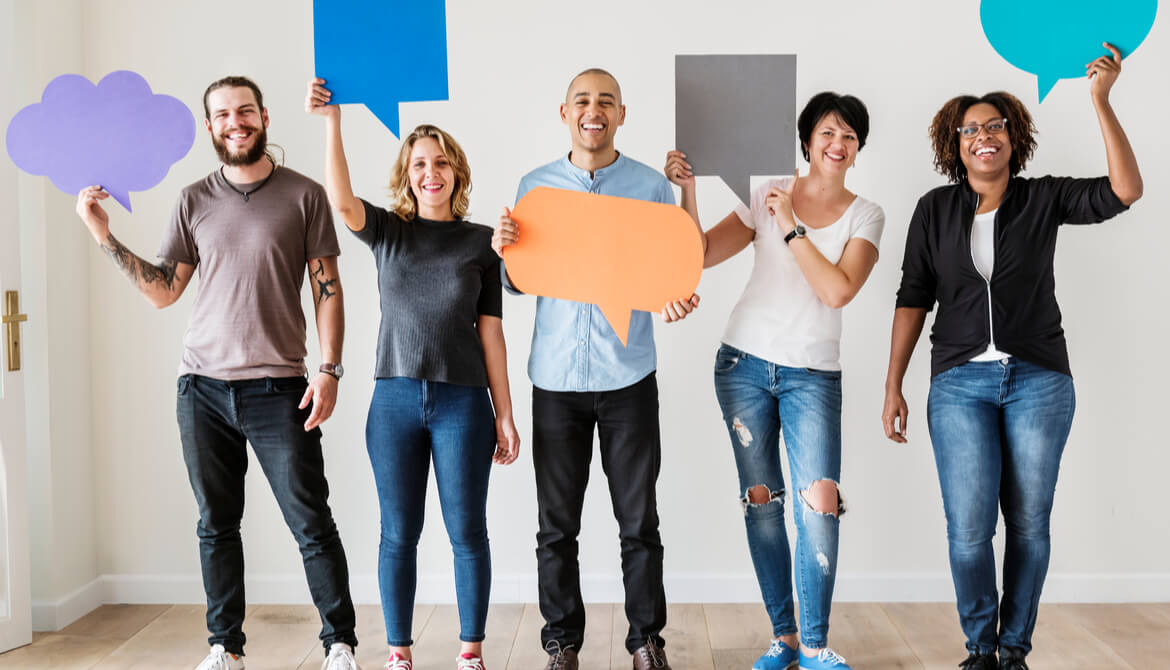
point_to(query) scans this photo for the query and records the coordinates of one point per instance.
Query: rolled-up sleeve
(1083, 201)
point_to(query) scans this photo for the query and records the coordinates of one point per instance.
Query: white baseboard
(680, 588)
(50, 616)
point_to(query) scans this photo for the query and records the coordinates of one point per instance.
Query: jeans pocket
(726, 359)
(184, 384)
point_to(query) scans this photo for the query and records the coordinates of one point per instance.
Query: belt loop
(268, 384)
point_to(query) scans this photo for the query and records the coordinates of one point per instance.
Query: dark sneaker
(560, 658)
(650, 657)
(980, 662)
(1011, 658)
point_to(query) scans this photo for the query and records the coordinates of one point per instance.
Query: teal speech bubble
(1055, 39)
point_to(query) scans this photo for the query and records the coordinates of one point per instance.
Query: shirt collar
(583, 175)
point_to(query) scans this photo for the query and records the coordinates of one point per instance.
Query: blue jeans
(998, 430)
(216, 419)
(411, 422)
(759, 401)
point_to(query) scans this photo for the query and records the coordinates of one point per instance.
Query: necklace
(259, 186)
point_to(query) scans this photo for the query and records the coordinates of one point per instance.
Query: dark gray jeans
(216, 419)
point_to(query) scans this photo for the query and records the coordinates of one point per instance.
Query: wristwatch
(798, 231)
(332, 369)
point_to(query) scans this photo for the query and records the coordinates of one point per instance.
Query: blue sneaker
(778, 657)
(827, 658)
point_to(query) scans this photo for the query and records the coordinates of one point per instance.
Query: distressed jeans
(216, 419)
(761, 400)
(998, 430)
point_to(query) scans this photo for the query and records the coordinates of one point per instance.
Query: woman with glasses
(1001, 396)
(778, 370)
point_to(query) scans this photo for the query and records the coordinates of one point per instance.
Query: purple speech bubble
(118, 134)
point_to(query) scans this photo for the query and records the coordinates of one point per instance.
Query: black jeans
(631, 453)
(216, 418)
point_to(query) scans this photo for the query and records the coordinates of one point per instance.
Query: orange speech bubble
(617, 253)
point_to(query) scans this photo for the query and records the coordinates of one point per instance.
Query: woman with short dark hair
(777, 369)
(1001, 396)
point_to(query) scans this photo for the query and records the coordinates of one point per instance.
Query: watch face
(800, 230)
(338, 370)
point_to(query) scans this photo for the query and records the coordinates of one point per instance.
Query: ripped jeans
(759, 400)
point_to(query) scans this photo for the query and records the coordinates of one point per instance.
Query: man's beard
(259, 147)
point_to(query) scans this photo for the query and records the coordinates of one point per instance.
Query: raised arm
(337, 185)
(329, 309)
(160, 284)
(1124, 176)
(495, 354)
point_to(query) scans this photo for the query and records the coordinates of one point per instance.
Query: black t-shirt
(938, 266)
(435, 278)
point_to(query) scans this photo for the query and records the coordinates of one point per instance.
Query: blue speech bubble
(381, 53)
(1055, 39)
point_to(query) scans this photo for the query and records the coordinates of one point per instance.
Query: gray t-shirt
(435, 278)
(251, 255)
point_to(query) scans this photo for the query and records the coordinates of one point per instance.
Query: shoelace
(396, 662)
(973, 661)
(775, 650)
(339, 658)
(473, 663)
(828, 655)
(651, 654)
(217, 659)
(558, 661)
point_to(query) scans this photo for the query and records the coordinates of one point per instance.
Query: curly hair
(402, 198)
(944, 135)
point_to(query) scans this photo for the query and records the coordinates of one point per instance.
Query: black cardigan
(938, 266)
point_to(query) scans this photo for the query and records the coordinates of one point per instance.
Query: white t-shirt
(779, 318)
(983, 255)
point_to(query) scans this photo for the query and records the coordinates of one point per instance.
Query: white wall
(54, 272)
(509, 64)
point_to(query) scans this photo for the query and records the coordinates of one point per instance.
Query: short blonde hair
(402, 199)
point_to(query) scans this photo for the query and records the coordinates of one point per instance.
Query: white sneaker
(468, 662)
(219, 659)
(340, 658)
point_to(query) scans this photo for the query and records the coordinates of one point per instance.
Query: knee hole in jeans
(760, 495)
(823, 497)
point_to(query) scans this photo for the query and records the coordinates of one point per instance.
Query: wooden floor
(699, 637)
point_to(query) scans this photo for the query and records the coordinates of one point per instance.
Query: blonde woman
(442, 386)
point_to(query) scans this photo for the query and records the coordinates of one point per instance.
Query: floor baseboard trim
(680, 587)
(50, 616)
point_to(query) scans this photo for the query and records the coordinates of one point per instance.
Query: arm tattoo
(138, 270)
(324, 292)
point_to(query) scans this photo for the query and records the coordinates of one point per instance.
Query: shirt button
(582, 342)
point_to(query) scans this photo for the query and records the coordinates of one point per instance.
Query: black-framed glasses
(993, 127)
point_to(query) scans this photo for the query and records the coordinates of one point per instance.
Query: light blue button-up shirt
(573, 346)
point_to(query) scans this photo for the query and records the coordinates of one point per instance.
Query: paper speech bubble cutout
(381, 53)
(735, 116)
(617, 253)
(1055, 39)
(117, 134)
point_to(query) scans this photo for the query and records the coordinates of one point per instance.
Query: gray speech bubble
(735, 116)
